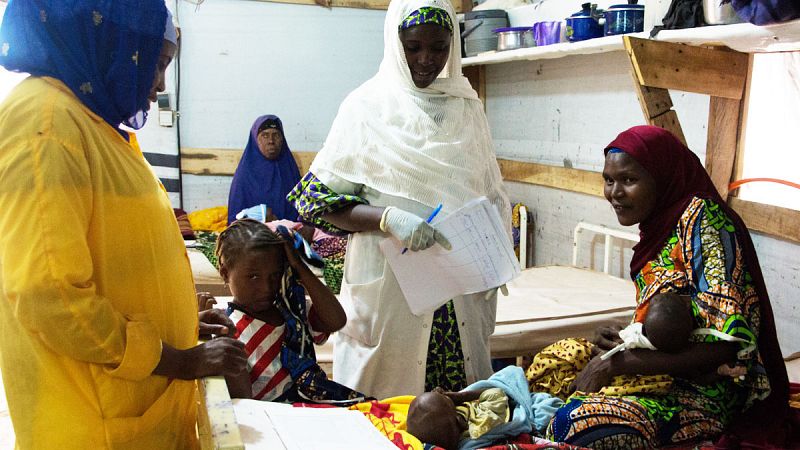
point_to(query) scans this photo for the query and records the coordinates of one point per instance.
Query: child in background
(275, 321)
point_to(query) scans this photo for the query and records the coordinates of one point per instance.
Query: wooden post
(655, 101)
(723, 134)
(718, 72)
(477, 78)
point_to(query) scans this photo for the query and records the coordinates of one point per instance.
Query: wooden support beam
(669, 121)
(575, 180)
(738, 169)
(654, 101)
(713, 71)
(477, 78)
(773, 220)
(657, 107)
(209, 161)
(217, 427)
(723, 137)
(223, 161)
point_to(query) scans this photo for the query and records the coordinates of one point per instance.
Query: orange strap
(738, 183)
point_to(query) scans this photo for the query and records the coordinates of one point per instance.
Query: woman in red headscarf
(693, 244)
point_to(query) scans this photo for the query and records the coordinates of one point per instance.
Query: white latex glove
(412, 230)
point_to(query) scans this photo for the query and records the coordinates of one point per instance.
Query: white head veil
(429, 145)
(394, 65)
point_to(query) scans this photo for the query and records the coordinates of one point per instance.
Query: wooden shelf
(743, 37)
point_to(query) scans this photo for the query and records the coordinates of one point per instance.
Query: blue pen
(428, 220)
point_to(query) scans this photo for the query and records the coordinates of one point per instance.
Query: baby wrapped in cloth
(668, 326)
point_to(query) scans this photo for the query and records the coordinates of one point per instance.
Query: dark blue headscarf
(105, 51)
(258, 180)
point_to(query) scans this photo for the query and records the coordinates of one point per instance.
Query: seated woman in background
(693, 244)
(266, 172)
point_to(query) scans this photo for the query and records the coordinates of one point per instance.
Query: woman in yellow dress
(98, 317)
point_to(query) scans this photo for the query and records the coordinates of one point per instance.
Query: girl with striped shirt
(275, 321)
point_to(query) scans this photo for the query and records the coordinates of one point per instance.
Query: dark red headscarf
(680, 176)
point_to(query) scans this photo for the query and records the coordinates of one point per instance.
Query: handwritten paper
(482, 258)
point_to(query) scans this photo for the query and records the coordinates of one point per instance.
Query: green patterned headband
(427, 14)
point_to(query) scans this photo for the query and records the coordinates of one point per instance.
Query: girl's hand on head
(292, 257)
(205, 301)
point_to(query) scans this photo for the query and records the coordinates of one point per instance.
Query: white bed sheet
(549, 303)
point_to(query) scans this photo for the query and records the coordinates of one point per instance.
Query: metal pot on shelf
(585, 24)
(717, 13)
(623, 19)
(478, 35)
(511, 38)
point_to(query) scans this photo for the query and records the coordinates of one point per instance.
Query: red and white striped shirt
(262, 342)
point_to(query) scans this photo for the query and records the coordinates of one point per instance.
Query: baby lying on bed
(485, 412)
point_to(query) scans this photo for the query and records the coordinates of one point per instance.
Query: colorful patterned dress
(702, 258)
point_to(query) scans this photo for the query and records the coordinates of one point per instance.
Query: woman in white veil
(412, 137)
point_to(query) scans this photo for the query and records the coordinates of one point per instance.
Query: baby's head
(252, 261)
(668, 323)
(432, 418)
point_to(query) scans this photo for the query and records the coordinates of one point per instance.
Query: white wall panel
(563, 112)
(241, 59)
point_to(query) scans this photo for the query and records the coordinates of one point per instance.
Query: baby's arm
(460, 397)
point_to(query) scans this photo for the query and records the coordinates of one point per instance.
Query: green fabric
(313, 199)
(445, 365)
(488, 411)
(206, 243)
(425, 15)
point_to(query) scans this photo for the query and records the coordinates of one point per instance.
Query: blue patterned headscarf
(427, 14)
(105, 51)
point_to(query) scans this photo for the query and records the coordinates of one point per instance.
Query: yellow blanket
(557, 365)
(389, 417)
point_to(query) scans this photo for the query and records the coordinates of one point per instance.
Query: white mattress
(549, 303)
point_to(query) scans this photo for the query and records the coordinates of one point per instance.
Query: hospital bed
(545, 304)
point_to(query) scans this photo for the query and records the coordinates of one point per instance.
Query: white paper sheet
(326, 429)
(482, 258)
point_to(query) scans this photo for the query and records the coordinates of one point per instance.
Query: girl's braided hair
(244, 235)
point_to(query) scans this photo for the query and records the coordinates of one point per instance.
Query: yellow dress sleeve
(46, 204)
